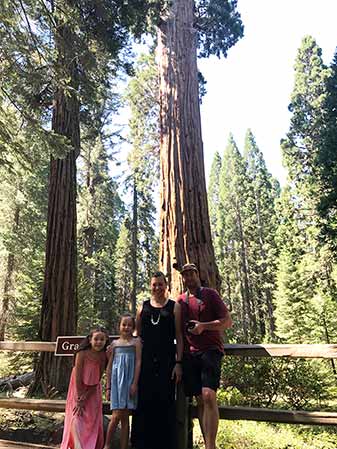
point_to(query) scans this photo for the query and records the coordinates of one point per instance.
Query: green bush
(265, 382)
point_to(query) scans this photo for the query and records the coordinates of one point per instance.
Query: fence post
(182, 414)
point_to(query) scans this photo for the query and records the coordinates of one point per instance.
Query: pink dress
(86, 431)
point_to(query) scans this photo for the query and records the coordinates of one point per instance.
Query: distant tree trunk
(89, 230)
(184, 220)
(59, 300)
(8, 284)
(264, 270)
(246, 285)
(134, 247)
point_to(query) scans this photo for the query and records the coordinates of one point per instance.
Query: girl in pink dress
(83, 423)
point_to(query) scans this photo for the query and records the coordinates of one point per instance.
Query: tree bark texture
(134, 249)
(184, 218)
(59, 299)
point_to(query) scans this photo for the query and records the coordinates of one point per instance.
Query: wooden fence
(184, 412)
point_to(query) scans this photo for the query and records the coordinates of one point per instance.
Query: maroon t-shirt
(210, 308)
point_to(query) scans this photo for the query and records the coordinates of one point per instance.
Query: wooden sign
(67, 346)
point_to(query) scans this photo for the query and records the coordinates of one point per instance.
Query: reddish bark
(184, 220)
(59, 299)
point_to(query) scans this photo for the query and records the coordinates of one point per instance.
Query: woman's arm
(177, 371)
(134, 386)
(80, 387)
(139, 321)
(108, 373)
(79, 361)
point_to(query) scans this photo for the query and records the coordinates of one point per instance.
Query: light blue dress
(122, 374)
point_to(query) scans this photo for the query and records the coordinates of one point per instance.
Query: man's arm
(219, 324)
(216, 325)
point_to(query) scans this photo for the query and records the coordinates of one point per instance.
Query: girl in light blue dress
(122, 379)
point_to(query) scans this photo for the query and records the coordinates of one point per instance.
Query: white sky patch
(252, 87)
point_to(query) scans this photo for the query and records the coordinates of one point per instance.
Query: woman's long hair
(85, 343)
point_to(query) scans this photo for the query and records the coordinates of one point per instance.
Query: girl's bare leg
(115, 418)
(124, 429)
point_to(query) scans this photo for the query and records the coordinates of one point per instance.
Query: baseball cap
(189, 267)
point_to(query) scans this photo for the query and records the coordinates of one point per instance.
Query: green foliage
(141, 96)
(219, 26)
(304, 139)
(99, 213)
(242, 196)
(294, 384)
(252, 435)
(326, 171)
(306, 284)
(22, 234)
(73, 46)
(123, 269)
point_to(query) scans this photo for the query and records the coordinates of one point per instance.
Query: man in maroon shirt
(205, 317)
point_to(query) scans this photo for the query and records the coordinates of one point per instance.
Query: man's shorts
(201, 369)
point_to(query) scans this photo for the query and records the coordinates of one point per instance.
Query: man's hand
(198, 327)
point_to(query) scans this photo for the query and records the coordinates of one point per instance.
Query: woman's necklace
(153, 321)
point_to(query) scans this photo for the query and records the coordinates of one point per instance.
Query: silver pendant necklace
(155, 322)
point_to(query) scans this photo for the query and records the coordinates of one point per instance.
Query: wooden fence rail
(269, 350)
(185, 413)
(229, 413)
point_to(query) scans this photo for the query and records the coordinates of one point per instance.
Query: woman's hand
(79, 407)
(109, 350)
(133, 389)
(177, 372)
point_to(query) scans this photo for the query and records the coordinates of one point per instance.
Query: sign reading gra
(67, 346)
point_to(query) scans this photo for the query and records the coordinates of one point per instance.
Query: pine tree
(262, 225)
(327, 173)
(143, 163)
(306, 283)
(100, 210)
(303, 142)
(234, 241)
(294, 307)
(123, 270)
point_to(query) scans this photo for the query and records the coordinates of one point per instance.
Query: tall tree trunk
(59, 299)
(134, 236)
(184, 220)
(89, 230)
(267, 290)
(8, 284)
(246, 285)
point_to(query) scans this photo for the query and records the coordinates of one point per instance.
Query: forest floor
(46, 428)
(251, 435)
(37, 427)
(31, 427)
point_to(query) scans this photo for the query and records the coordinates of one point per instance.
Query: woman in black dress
(158, 323)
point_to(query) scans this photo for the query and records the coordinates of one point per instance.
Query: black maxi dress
(153, 425)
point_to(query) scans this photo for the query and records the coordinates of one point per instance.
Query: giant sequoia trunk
(59, 300)
(185, 228)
